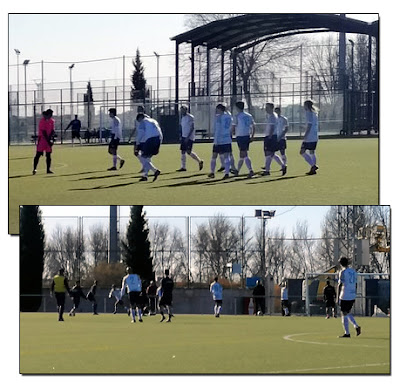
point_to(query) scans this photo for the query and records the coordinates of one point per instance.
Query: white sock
(247, 160)
(240, 164)
(219, 309)
(284, 159)
(353, 321)
(345, 322)
(114, 160)
(268, 160)
(313, 159)
(183, 161)
(227, 164)
(308, 158)
(278, 159)
(195, 156)
(213, 164)
(232, 162)
(150, 165)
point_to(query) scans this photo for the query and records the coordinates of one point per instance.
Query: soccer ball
(259, 313)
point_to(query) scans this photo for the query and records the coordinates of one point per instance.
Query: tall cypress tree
(32, 245)
(138, 90)
(137, 253)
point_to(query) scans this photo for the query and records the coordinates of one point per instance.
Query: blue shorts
(271, 143)
(222, 149)
(309, 145)
(243, 142)
(282, 144)
(186, 145)
(151, 147)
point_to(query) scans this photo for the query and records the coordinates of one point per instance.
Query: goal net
(373, 293)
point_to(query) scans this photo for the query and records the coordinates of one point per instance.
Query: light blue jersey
(243, 123)
(222, 129)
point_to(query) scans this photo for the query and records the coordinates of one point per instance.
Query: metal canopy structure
(242, 32)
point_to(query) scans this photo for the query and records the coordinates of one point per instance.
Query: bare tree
(216, 243)
(98, 244)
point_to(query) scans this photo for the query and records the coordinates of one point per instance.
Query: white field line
(289, 337)
(317, 369)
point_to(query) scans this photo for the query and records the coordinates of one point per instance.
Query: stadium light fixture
(70, 88)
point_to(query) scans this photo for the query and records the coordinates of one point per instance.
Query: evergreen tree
(137, 253)
(138, 90)
(32, 244)
(89, 106)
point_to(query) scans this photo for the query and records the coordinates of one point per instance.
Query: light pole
(70, 87)
(18, 53)
(264, 216)
(158, 75)
(352, 113)
(25, 63)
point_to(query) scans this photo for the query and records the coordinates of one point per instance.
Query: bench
(202, 132)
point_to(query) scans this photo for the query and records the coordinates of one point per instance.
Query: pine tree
(137, 253)
(138, 90)
(32, 245)
(89, 106)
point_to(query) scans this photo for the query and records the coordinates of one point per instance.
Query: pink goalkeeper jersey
(47, 127)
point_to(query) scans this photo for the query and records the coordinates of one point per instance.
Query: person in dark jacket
(76, 294)
(329, 299)
(91, 296)
(259, 297)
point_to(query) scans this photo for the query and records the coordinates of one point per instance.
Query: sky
(79, 38)
(52, 40)
(285, 217)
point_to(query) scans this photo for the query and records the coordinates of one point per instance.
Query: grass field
(200, 344)
(348, 175)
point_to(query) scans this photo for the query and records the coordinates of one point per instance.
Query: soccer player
(284, 299)
(76, 294)
(310, 137)
(133, 284)
(116, 292)
(271, 140)
(216, 290)
(45, 140)
(347, 294)
(140, 109)
(329, 299)
(91, 296)
(75, 125)
(259, 297)
(116, 136)
(187, 139)
(283, 127)
(167, 286)
(58, 288)
(243, 127)
(222, 139)
(151, 292)
(148, 140)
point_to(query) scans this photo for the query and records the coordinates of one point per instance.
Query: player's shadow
(78, 173)
(99, 187)
(20, 176)
(185, 177)
(269, 179)
(19, 158)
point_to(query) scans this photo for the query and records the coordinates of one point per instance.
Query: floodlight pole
(17, 52)
(158, 75)
(25, 63)
(264, 216)
(70, 88)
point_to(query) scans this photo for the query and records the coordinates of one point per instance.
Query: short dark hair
(216, 279)
(113, 111)
(221, 106)
(140, 116)
(270, 104)
(344, 261)
(240, 104)
(167, 272)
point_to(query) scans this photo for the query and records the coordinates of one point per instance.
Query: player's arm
(252, 128)
(191, 130)
(123, 286)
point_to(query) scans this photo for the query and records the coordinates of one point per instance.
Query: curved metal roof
(234, 32)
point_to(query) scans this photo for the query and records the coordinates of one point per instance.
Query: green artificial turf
(200, 344)
(348, 175)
